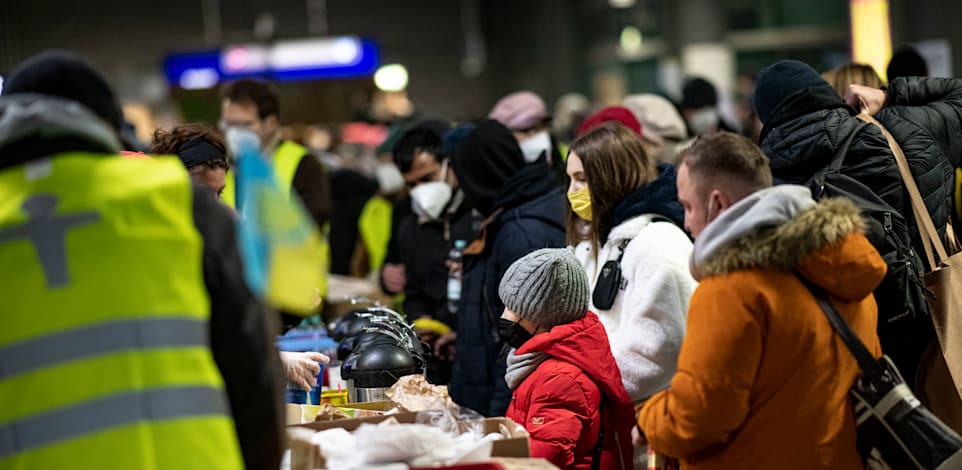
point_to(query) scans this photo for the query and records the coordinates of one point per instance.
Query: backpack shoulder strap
(839, 157)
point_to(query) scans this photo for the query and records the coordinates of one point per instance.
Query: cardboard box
(297, 414)
(381, 406)
(301, 414)
(516, 446)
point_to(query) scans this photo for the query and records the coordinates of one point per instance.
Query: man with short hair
(763, 378)
(200, 149)
(254, 105)
(426, 236)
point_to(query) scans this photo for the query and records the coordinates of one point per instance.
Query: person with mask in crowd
(440, 218)
(393, 271)
(807, 126)
(634, 253)
(663, 130)
(200, 149)
(116, 270)
(526, 114)
(699, 106)
(375, 223)
(567, 388)
(523, 210)
(254, 105)
(763, 379)
(852, 74)
(906, 62)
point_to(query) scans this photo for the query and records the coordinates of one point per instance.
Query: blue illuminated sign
(304, 59)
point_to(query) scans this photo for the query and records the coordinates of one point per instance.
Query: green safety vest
(286, 159)
(374, 224)
(104, 336)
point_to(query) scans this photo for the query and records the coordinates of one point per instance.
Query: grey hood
(764, 209)
(34, 117)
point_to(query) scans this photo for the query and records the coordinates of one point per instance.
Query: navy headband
(197, 151)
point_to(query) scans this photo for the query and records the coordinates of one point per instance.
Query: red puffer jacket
(565, 400)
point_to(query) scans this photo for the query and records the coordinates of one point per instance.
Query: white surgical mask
(534, 146)
(704, 120)
(428, 200)
(389, 178)
(241, 141)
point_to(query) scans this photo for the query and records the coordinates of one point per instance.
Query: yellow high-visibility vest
(374, 225)
(286, 159)
(104, 332)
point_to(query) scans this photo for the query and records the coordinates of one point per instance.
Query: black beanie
(698, 93)
(485, 160)
(907, 62)
(781, 80)
(69, 76)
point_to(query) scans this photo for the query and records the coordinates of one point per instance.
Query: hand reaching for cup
(302, 367)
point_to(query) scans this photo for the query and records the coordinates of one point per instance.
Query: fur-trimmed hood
(783, 228)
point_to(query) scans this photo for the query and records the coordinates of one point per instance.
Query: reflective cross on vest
(48, 232)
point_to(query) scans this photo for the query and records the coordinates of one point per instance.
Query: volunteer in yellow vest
(255, 105)
(127, 336)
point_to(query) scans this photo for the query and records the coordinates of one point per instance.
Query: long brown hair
(615, 165)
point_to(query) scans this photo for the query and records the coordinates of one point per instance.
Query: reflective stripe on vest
(286, 159)
(102, 338)
(108, 412)
(104, 356)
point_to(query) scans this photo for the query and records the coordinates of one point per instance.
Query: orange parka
(762, 378)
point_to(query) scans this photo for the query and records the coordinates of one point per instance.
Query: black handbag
(894, 430)
(610, 280)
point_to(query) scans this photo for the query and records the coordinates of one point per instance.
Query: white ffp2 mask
(534, 146)
(428, 200)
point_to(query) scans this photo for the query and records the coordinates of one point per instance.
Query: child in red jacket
(567, 387)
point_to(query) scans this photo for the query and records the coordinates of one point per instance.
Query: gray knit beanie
(547, 287)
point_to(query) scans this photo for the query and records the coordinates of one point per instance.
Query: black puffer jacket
(808, 129)
(925, 117)
(804, 134)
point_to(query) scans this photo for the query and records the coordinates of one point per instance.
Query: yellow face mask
(581, 203)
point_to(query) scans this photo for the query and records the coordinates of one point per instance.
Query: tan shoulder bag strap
(923, 220)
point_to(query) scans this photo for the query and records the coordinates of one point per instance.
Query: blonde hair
(852, 74)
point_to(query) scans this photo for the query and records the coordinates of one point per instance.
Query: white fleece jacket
(646, 324)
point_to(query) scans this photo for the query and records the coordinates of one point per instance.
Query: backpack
(902, 294)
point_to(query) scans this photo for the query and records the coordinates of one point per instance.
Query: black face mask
(512, 333)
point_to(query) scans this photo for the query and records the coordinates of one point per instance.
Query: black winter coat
(424, 250)
(477, 378)
(925, 117)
